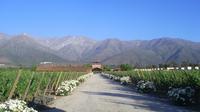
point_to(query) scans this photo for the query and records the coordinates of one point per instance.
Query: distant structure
(96, 66)
(45, 63)
(2, 65)
(52, 67)
(170, 68)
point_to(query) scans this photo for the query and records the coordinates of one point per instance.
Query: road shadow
(53, 110)
(146, 102)
(44, 108)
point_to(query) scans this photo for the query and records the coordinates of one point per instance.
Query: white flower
(15, 106)
(3, 106)
(68, 86)
(125, 80)
(182, 96)
(146, 87)
(83, 77)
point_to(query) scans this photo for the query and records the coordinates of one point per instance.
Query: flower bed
(182, 96)
(83, 78)
(15, 106)
(123, 80)
(146, 86)
(142, 86)
(68, 86)
(158, 82)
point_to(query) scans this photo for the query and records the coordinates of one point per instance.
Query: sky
(101, 19)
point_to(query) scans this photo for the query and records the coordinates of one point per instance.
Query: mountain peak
(25, 34)
(22, 37)
(114, 51)
(77, 38)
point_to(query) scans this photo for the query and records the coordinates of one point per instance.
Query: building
(170, 68)
(96, 66)
(62, 68)
(2, 65)
(45, 63)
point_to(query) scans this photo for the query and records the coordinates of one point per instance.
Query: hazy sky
(100, 19)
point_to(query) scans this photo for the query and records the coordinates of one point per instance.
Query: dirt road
(99, 94)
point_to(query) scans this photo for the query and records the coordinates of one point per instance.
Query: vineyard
(30, 89)
(27, 84)
(161, 82)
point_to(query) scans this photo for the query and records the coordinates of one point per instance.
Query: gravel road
(99, 94)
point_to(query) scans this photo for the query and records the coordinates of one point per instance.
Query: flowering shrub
(67, 87)
(125, 80)
(108, 76)
(182, 96)
(146, 86)
(83, 77)
(15, 106)
(105, 75)
(116, 78)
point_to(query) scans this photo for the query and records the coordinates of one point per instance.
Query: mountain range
(24, 49)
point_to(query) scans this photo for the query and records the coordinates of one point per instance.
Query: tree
(165, 65)
(106, 68)
(153, 66)
(173, 64)
(184, 63)
(126, 67)
(161, 65)
(137, 65)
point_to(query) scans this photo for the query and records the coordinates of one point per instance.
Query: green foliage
(33, 67)
(8, 76)
(87, 65)
(126, 67)
(164, 79)
(106, 68)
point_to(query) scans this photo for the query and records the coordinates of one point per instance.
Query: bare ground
(99, 94)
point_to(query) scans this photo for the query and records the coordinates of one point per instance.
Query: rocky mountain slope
(27, 50)
(24, 50)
